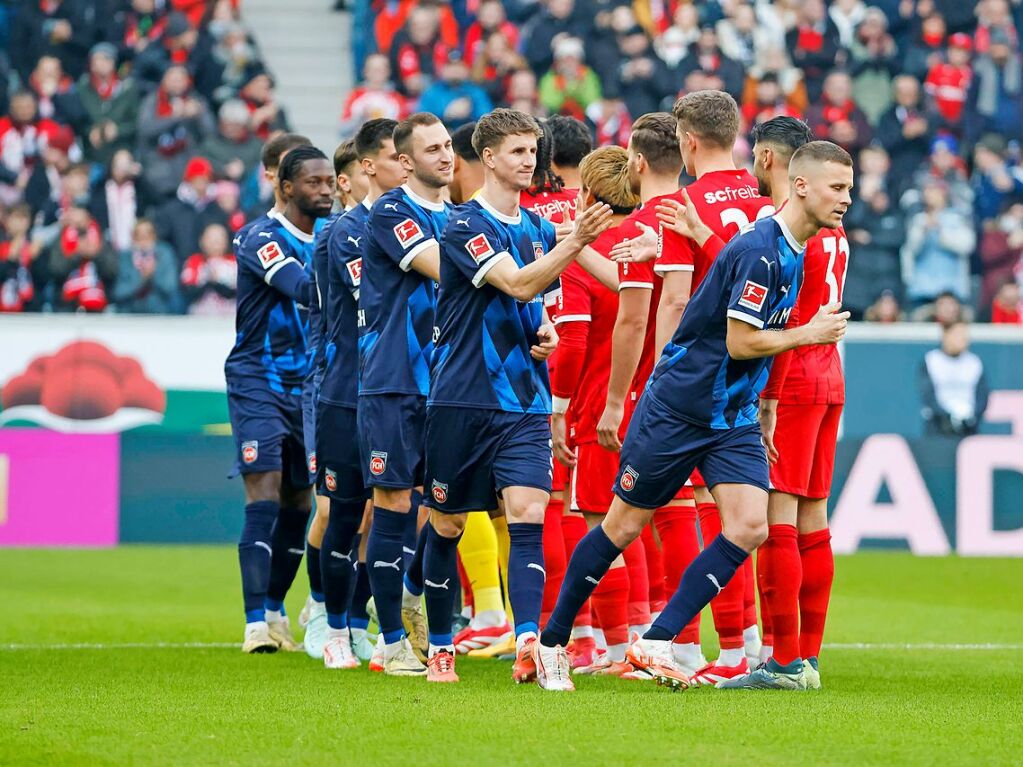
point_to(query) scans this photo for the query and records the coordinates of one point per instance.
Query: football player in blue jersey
(265, 372)
(273, 152)
(351, 189)
(700, 410)
(340, 466)
(487, 426)
(400, 269)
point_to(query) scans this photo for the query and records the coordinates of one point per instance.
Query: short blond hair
(605, 174)
(713, 116)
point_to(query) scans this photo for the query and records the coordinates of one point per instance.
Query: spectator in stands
(953, 386)
(939, 243)
(23, 276)
(490, 20)
(136, 27)
(570, 86)
(928, 49)
(56, 98)
(874, 61)
(885, 310)
(61, 28)
(994, 17)
(230, 59)
(556, 20)
(995, 181)
(524, 95)
(768, 101)
(610, 118)
(72, 189)
(209, 280)
(266, 115)
(837, 118)
(1007, 307)
(374, 98)
(23, 136)
(847, 15)
(773, 61)
(945, 165)
(454, 97)
(740, 36)
(45, 182)
(110, 106)
(943, 310)
(180, 221)
(674, 43)
(172, 48)
(147, 279)
(995, 101)
(1001, 252)
(83, 267)
(643, 79)
(948, 82)
(814, 45)
(494, 65)
(418, 52)
(233, 149)
(876, 230)
(706, 55)
(173, 121)
(906, 130)
(116, 205)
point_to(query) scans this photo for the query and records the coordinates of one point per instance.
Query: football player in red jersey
(654, 168)
(585, 319)
(800, 410)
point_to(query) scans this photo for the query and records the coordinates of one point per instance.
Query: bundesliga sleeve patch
(479, 248)
(753, 296)
(270, 254)
(355, 271)
(408, 232)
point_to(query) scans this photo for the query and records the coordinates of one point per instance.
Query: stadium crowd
(131, 129)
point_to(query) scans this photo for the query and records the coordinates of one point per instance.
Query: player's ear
(488, 157)
(344, 183)
(588, 198)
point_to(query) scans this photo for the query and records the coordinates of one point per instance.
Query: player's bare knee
(263, 486)
(623, 523)
(447, 525)
(296, 498)
(746, 532)
(394, 500)
(525, 513)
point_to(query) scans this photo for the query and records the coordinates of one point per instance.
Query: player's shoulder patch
(270, 253)
(479, 248)
(753, 296)
(408, 232)
(355, 271)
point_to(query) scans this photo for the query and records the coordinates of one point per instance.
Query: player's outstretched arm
(682, 218)
(626, 351)
(525, 283)
(746, 341)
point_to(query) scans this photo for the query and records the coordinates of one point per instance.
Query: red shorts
(592, 479)
(805, 438)
(559, 477)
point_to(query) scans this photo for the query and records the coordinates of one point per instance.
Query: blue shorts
(340, 463)
(472, 455)
(661, 450)
(309, 392)
(392, 436)
(268, 433)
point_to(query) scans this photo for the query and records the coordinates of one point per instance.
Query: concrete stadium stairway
(307, 47)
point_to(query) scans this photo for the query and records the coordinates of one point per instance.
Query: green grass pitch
(942, 700)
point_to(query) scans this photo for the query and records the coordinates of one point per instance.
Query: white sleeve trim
(481, 273)
(674, 268)
(277, 267)
(756, 322)
(644, 285)
(406, 262)
(573, 318)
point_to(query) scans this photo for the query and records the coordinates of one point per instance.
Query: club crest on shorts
(312, 462)
(440, 492)
(377, 463)
(628, 480)
(330, 479)
(753, 296)
(250, 451)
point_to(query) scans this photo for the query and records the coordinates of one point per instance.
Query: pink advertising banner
(58, 489)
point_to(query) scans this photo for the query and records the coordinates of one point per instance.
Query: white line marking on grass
(235, 645)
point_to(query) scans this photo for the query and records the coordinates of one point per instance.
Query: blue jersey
(341, 279)
(397, 302)
(273, 289)
(318, 297)
(754, 279)
(482, 358)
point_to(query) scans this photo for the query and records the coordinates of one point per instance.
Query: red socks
(677, 530)
(749, 595)
(727, 606)
(655, 570)
(573, 529)
(765, 614)
(639, 584)
(818, 564)
(782, 573)
(610, 605)
(554, 560)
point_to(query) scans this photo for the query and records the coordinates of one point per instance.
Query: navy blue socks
(526, 575)
(254, 556)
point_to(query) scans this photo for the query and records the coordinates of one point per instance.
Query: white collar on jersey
(366, 203)
(789, 237)
(503, 218)
(349, 207)
(289, 227)
(422, 201)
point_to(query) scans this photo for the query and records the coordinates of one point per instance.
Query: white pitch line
(234, 645)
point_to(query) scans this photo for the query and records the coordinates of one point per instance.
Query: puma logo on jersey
(338, 555)
(384, 565)
(769, 264)
(354, 240)
(712, 579)
(268, 235)
(390, 206)
(463, 221)
(432, 585)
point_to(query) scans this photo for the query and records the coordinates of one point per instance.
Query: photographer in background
(952, 385)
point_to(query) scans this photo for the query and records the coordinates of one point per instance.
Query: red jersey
(948, 85)
(1001, 315)
(556, 207)
(586, 313)
(726, 200)
(812, 375)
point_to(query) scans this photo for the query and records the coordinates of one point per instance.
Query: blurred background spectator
(147, 277)
(952, 385)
